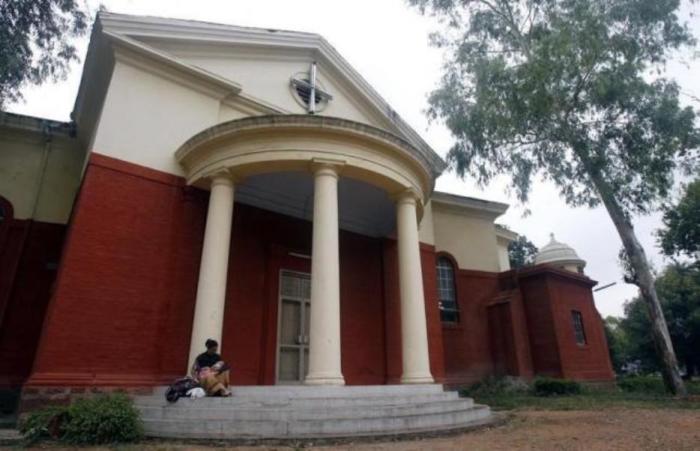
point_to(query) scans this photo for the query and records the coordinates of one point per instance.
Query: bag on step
(179, 388)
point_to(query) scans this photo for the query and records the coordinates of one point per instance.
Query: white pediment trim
(185, 31)
(135, 53)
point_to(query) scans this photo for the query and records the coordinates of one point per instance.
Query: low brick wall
(34, 398)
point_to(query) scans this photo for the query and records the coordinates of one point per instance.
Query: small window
(447, 295)
(579, 331)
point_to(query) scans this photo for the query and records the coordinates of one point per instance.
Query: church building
(248, 185)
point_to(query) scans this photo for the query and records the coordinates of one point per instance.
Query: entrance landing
(299, 412)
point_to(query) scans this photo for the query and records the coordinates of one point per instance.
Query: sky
(387, 42)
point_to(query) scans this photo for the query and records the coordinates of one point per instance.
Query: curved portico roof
(261, 143)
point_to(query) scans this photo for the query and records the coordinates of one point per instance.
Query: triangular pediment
(257, 65)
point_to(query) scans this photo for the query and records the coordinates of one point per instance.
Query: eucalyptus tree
(36, 42)
(574, 92)
(681, 232)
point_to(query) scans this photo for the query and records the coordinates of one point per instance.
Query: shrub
(497, 386)
(545, 386)
(43, 424)
(642, 384)
(91, 421)
(103, 419)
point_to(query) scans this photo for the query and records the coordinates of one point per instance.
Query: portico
(328, 149)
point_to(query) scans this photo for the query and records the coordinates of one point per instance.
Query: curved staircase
(288, 412)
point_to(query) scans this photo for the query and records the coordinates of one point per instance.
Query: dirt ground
(609, 429)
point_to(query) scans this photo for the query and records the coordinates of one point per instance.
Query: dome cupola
(560, 255)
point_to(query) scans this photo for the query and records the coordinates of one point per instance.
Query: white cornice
(468, 205)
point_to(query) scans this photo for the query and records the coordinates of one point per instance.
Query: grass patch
(506, 395)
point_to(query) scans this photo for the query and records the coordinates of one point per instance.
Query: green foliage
(563, 90)
(497, 386)
(43, 424)
(545, 386)
(36, 42)
(98, 420)
(681, 232)
(103, 419)
(560, 88)
(618, 343)
(521, 252)
(679, 290)
(642, 384)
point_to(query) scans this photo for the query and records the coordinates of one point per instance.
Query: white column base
(331, 379)
(425, 379)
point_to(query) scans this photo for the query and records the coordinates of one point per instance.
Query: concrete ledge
(303, 412)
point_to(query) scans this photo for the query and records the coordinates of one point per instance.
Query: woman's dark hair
(211, 343)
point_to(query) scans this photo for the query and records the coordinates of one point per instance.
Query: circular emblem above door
(308, 91)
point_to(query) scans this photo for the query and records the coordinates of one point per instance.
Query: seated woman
(211, 372)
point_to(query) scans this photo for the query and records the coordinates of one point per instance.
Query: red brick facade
(121, 311)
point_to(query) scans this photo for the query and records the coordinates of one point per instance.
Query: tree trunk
(645, 281)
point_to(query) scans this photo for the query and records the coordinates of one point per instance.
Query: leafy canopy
(678, 286)
(567, 89)
(521, 252)
(35, 37)
(681, 231)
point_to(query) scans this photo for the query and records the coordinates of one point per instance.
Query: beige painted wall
(426, 229)
(469, 237)
(265, 75)
(21, 162)
(147, 117)
(503, 260)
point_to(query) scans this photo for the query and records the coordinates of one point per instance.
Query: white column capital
(222, 176)
(407, 196)
(327, 166)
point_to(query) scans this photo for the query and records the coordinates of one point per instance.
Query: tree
(521, 252)
(36, 42)
(563, 89)
(679, 289)
(618, 343)
(681, 232)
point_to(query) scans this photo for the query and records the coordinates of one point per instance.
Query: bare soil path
(589, 430)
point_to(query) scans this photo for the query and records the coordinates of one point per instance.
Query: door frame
(278, 345)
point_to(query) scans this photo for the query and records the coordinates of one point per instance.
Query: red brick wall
(122, 310)
(261, 243)
(392, 313)
(466, 344)
(584, 362)
(549, 297)
(537, 303)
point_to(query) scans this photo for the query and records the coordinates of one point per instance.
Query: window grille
(447, 294)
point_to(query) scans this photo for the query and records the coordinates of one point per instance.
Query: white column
(414, 333)
(324, 331)
(213, 268)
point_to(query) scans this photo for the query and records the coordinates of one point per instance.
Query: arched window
(447, 294)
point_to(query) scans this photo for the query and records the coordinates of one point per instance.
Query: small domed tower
(561, 256)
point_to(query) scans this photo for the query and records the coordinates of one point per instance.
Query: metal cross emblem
(308, 89)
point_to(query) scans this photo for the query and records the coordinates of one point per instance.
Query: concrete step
(306, 412)
(236, 429)
(324, 391)
(300, 403)
(189, 409)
